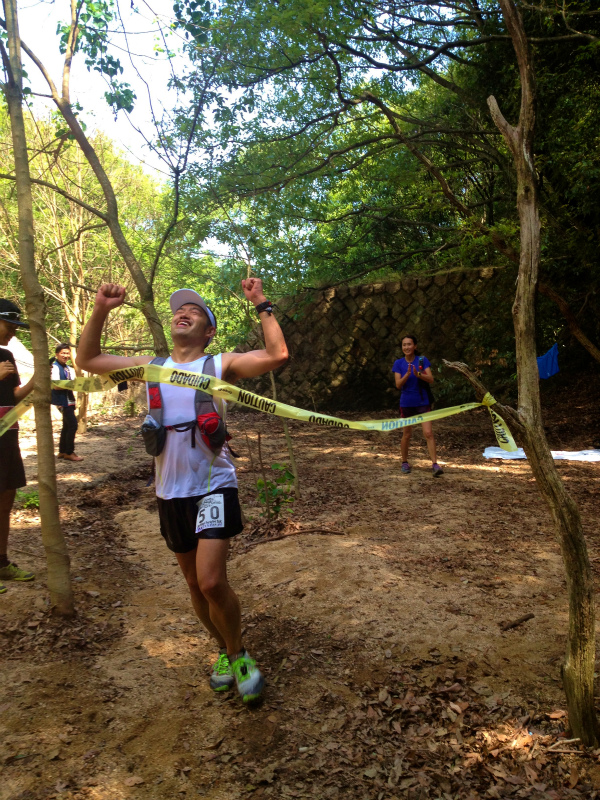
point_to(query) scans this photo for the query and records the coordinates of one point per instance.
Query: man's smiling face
(190, 325)
(7, 331)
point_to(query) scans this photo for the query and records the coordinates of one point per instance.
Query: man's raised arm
(257, 362)
(89, 354)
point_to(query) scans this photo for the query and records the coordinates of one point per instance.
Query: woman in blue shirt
(413, 378)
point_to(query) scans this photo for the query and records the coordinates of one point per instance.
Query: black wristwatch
(266, 306)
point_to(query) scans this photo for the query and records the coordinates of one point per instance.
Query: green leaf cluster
(93, 40)
(278, 492)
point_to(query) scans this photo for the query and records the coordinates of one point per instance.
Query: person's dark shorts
(221, 518)
(12, 472)
(413, 411)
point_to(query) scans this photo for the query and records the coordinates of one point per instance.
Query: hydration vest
(208, 421)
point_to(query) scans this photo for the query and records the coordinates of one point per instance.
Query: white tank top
(183, 470)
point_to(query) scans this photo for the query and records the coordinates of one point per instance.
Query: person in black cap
(12, 472)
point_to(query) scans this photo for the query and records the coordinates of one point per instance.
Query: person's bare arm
(23, 391)
(89, 354)
(400, 381)
(426, 375)
(257, 362)
(7, 370)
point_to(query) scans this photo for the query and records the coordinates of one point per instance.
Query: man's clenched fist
(109, 296)
(253, 289)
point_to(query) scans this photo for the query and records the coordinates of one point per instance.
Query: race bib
(211, 513)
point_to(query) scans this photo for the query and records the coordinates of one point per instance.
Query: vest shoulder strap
(203, 402)
(155, 405)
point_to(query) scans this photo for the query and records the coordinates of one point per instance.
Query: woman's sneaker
(248, 677)
(437, 471)
(13, 573)
(405, 467)
(2, 589)
(222, 675)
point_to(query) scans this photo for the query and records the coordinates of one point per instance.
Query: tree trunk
(578, 670)
(59, 579)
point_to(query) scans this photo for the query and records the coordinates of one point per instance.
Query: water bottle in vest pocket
(154, 436)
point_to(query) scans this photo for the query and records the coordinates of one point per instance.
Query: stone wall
(343, 341)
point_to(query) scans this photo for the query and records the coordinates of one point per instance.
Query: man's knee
(213, 586)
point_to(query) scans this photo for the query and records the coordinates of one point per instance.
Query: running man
(413, 378)
(194, 486)
(12, 472)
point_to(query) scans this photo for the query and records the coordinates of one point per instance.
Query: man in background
(64, 400)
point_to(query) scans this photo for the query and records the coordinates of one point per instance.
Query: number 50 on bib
(211, 513)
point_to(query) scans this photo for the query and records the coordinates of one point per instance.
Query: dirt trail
(388, 673)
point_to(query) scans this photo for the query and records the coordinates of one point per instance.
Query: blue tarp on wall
(548, 363)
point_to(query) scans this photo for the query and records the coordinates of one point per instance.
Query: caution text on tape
(228, 392)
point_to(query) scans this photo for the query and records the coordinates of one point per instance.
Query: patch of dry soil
(388, 672)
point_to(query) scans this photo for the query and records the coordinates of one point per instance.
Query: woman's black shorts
(413, 411)
(184, 520)
(12, 472)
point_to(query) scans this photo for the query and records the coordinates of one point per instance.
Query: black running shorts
(12, 473)
(413, 411)
(184, 520)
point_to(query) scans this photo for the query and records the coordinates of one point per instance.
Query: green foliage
(28, 498)
(93, 40)
(120, 97)
(321, 187)
(130, 408)
(279, 492)
(318, 186)
(74, 251)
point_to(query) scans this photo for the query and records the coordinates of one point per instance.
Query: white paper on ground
(557, 455)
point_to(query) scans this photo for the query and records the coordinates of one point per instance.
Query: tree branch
(76, 238)
(62, 192)
(480, 392)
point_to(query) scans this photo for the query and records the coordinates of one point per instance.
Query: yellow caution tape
(228, 392)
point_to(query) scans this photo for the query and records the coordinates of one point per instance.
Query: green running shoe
(222, 676)
(248, 677)
(2, 589)
(13, 573)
